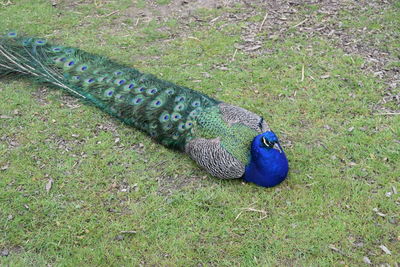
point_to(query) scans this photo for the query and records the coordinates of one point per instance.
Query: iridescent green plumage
(175, 116)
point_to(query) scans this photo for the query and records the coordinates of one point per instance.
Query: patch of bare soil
(280, 17)
(178, 9)
(170, 184)
(5, 252)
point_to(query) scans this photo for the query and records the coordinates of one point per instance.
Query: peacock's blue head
(268, 164)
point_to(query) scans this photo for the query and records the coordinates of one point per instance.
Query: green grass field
(73, 180)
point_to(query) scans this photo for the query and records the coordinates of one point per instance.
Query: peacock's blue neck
(268, 166)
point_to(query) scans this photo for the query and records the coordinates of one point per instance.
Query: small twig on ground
(302, 73)
(137, 22)
(263, 21)
(237, 217)
(194, 38)
(252, 209)
(298, 24)
(234, 54)
(107, 15)
(388, 113)
(128, 232)
(214, 19)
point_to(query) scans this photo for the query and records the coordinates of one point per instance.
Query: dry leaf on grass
(49, 185)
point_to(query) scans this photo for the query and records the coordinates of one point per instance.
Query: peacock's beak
(278, 147)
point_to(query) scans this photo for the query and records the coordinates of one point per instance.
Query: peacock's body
(225, 140)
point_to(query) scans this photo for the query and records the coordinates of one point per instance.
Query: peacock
(227, 141)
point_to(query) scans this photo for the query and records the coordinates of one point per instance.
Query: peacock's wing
(222, 139)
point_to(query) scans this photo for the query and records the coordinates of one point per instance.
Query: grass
(109, 178)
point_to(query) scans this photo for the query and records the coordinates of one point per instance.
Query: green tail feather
(164, 110)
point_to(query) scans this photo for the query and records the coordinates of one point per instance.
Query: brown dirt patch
(177, 9)
(284, 16)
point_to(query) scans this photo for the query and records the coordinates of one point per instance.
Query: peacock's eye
(267, 143)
